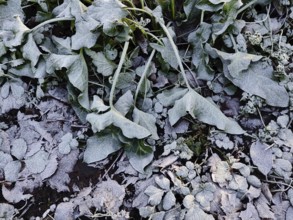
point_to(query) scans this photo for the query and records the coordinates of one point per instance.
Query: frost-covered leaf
(220, 171)
(98, 104)
(199, 107)
(10, 9)
(254, 181)
(283, 167)
(109, 196)
(18, 148)
(77, 72)
(155, 195)
(230, 203)
(37, 162)
(289, 213)
(70, 8)
(238, 183)
(124, 103)
(195, 213)
(163, 182)
(129, 129)
(107, 12)
(262, 157)
(167, 52)
(13, 31)
(64, 210)
(30, 50)
(262, 206)
(4, 159)
(250, 213)
(103, 65)
(67, 143)
(189, 201)
(86, 34)
(147, 121)
(169, 201)
(61, 178)
(15, 195)
(7, 211)
(168, 97)
(146, 211)
(50, 168)
(253, 77)
(99, 147)
(11, 171)
(139, 155)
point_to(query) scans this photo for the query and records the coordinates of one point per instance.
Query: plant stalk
(175, 49)
(51, 21)
(117, 72)
(143, 76)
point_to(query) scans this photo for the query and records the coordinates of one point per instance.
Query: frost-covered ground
(146, 110)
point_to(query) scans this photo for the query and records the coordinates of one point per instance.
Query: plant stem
(175, 49)
(51, 21)
(173, 9)
(143, 75)
(117, 72)
(246, 6)
(233, 42)
(202, 16)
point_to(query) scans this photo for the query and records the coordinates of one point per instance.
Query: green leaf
(77, 72)
(199, 107)
(100, 147)
(129, 129)
(167, 52)
(146, 120)
(206, 5)
(255, 78)
(104, 66)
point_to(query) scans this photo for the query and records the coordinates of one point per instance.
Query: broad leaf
(37, 162)
(146, 120)
(86, 34)
(195, 213)
(167, 52)
(262, 157)
(155, 195)
(108, 12)
(30, 50)
(100, 147)
(10, 9)
(19, 148)
(104, 66)
(11, 171)
(199, 107)
(77, 73)
(124, 103)
(129, 129)
(253, 77)
(168, 97)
